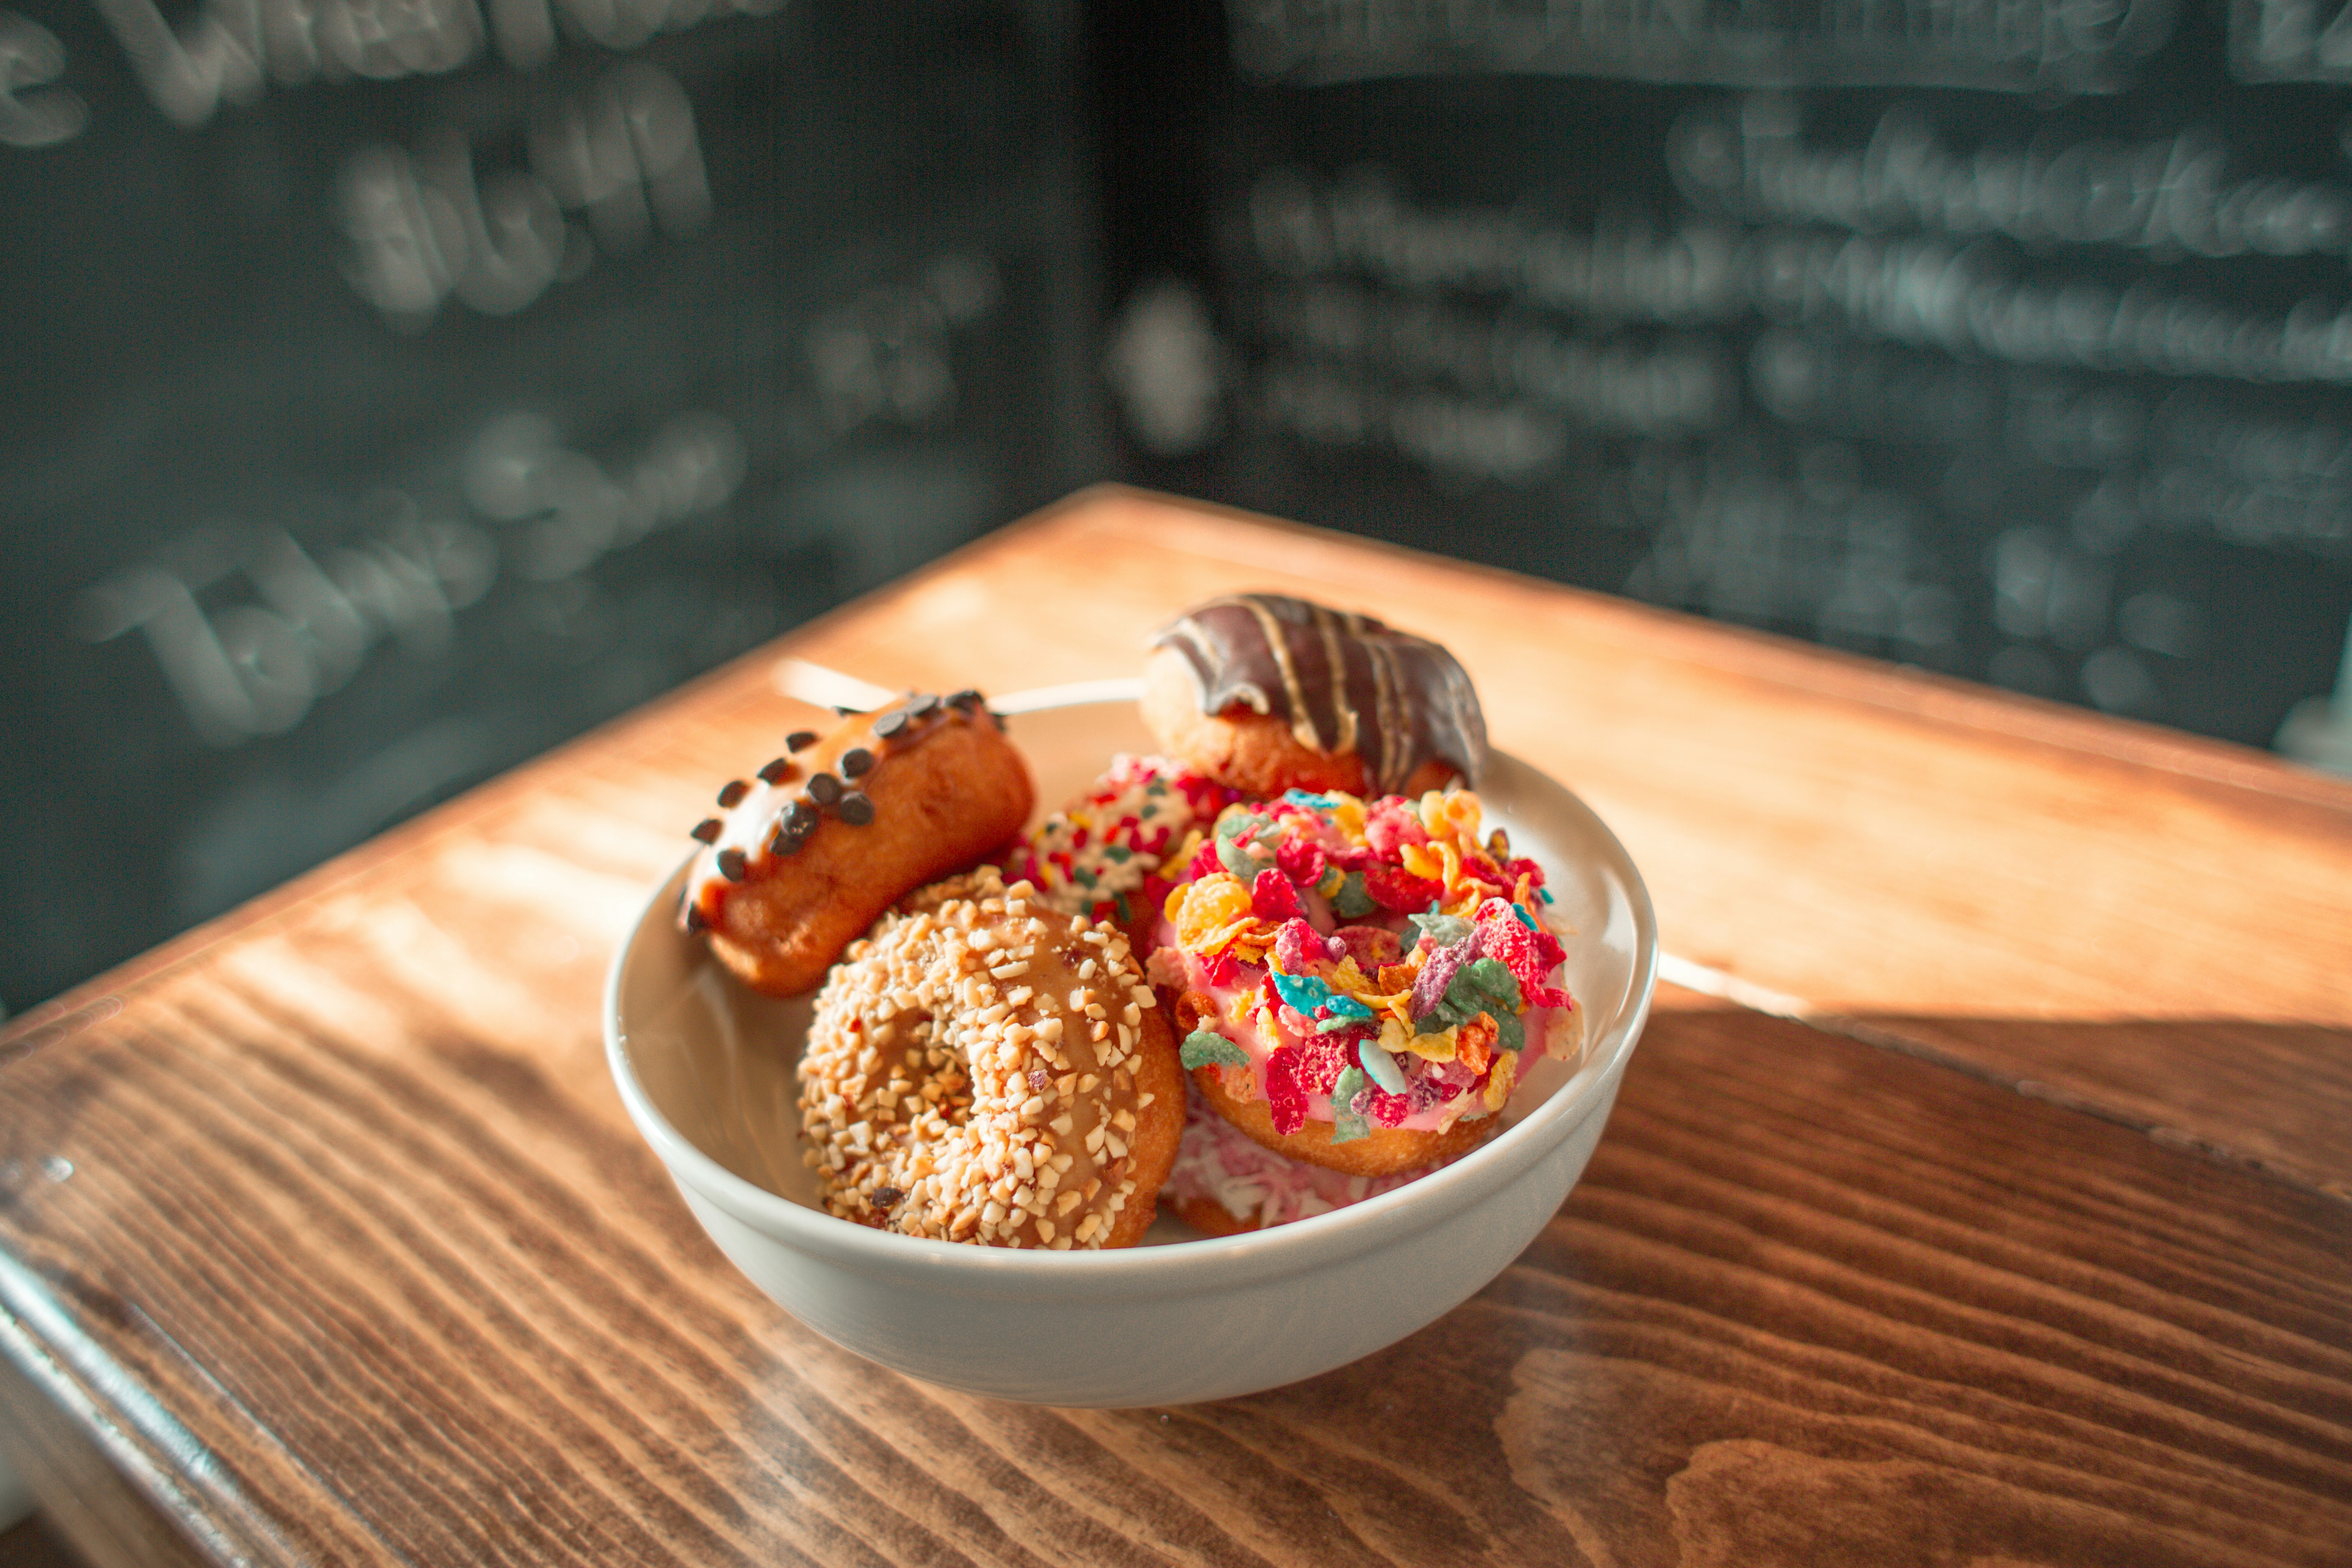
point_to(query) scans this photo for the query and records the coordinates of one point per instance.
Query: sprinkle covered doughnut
(1225, 1182)
(1355, 984)
(982, 1070)
(842, 826)
(1266, 693)
(1105, 855)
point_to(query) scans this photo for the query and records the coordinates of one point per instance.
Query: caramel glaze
(1343, 682)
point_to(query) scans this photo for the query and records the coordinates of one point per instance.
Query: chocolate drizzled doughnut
(1342, 682)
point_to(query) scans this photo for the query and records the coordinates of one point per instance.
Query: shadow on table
(1820, 1303)
(31, 1543)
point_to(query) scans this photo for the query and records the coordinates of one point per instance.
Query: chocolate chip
(732, 795)
(800, 818)
(777, 771)
(730, 865)
(786, 842)
(887, 1197)
(890, 724)
(854, 809)
(709, 829)
(800, 739)
(856, 760)
(695, 919)
(921, 705)
(825, 789)
(966, 700)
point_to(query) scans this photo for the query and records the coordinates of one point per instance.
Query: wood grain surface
(325, 1227)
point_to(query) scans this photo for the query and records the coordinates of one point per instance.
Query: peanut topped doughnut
(1356, 983)
(979, 1069)
(839, 828)
(1267, 693)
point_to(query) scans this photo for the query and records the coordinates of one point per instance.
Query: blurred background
(397, 387)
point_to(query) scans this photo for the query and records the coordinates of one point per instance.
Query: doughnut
(979, 1069)
(1224, 1183)
(1354, 983)
(1102, 855)
(1267, 693)
(843, 824)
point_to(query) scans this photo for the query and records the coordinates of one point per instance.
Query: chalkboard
(2011, 340)
(400, 386)
(397, 387)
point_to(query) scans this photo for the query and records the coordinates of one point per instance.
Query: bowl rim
(1206, 1265)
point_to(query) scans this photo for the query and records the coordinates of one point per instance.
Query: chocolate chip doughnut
(1264, 693)
(843, 825)
(983, 1070)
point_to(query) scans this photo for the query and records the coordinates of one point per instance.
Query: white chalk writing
(250, 669)
(246, 670)
(1923, 290)
(1815, 549)
(1303, 225)
(1513, 441)
(885, 355)
(2001, 44)
(2291, 40)
(422, 228)
(32, 113)
(2172, 195)
(565, 510)
(229, 51)
(1638, 387)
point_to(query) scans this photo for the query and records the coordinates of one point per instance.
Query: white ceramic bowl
(706, 1069)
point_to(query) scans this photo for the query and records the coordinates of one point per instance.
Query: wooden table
(1995, 1208)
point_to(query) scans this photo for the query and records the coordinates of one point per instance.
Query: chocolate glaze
(1345, 683)
(767, 821)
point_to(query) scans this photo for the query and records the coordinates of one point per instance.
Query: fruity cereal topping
(1371, 964)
